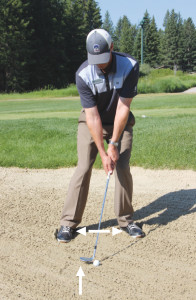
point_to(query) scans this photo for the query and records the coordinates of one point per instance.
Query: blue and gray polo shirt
(104, 89)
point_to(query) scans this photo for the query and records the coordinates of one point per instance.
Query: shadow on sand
(169, 208)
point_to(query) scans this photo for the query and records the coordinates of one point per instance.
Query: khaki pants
(79, 186)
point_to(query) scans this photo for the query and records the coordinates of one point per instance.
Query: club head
(87, 259)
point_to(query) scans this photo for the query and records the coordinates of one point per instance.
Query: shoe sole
(63, 241)
(137, 236)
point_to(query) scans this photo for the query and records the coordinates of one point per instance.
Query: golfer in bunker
(107, 83)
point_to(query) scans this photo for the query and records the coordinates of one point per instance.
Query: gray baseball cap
(98, 44)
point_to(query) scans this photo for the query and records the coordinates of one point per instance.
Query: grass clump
(164, 81)
(144, 70)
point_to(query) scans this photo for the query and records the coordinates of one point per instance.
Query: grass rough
(42, 133)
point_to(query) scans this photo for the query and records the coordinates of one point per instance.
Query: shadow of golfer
(167, 208)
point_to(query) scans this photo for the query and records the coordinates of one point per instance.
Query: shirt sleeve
(87, 98)
(129, 89)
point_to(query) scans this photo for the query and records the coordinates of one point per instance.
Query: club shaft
(95, 248)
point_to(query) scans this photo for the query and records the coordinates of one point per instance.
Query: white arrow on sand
(80, 274)
(114, 231)
(82, 231)
(99, 231)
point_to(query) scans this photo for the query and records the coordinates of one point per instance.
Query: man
(107, 83)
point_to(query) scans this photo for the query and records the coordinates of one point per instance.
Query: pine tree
(161, 34)
(14, 45)
(92, 15)
(152, 44)
(117, 35)
(189, 46)
(76, 40)
(147, 22)
(108, 24)
(137, 45)
(49, 44)
(180, 55)
(166, 19)
(172, 40)
(3, 59)
(128, 33)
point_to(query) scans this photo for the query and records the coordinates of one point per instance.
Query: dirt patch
(160, 266)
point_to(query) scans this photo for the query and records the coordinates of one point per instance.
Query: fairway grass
(42, 133)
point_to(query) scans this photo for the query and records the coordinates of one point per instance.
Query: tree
(15, 49)
(49, 43)
(117, 35)
(189, 46)
(161, 34)
(76, 39)
(152, 44)
(137, 45)
(166, 19)
(147, 22)
(172, 40)
(92, 15)
(108, 24)
(3, 59)
(127, 38)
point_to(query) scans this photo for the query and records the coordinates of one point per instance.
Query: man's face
(103, 66)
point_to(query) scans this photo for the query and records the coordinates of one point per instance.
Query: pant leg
(79, 186)
(123, 180)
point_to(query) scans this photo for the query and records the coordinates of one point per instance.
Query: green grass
(70, 91)
(38, 143)
(162, 142)
(42, 133)
(39, 108)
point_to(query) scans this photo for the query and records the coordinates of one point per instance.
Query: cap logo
(96, 48)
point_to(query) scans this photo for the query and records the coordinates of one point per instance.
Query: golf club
(90, 259)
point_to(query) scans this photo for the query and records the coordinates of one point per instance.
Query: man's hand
(113, 153)
(108, 163)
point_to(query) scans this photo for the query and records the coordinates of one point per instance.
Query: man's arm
(95, 127)
(120, 121)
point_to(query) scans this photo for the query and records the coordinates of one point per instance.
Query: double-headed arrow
(114, 231)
